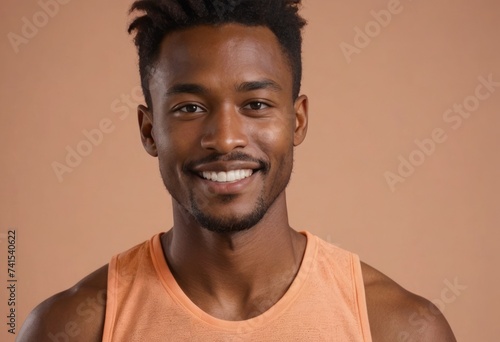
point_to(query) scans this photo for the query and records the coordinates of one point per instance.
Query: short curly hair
(161, 17)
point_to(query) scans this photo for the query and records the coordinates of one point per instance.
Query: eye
(190, 108)
(256, 105)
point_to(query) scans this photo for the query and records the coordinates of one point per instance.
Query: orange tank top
(325, 302)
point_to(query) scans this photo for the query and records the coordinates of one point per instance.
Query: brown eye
(256, 105)
(190, 108)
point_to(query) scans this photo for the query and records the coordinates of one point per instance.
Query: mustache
(233, 156)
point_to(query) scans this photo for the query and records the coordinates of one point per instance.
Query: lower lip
(227, 188)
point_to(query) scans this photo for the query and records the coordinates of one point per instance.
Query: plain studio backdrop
(400, 164)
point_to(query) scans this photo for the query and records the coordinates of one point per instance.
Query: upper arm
(76, 314)
(417, 319)
(396, 314)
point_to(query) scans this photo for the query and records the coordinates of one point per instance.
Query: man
(223, 114)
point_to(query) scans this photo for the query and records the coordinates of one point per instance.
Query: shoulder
(396, 314)
(76, 314)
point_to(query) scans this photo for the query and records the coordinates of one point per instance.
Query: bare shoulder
(396, 314)
(76, 314)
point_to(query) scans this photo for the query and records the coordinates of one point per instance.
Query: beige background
(440, 225)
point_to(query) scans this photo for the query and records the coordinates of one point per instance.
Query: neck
(225, 274)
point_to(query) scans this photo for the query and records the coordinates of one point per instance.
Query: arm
(398, 315)
(76, 314)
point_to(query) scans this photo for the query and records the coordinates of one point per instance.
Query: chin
(231, 223)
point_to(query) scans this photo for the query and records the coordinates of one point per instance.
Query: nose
(224, 130)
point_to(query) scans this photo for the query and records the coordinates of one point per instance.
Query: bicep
(32, 329)
(420, 320)
(429, 324)
(67, 316)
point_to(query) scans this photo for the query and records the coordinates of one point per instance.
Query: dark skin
(216, 91)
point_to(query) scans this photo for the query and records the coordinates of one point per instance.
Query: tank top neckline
(169, 283)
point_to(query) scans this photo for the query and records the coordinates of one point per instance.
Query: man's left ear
(301, 107)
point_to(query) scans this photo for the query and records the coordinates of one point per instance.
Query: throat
(240, 282)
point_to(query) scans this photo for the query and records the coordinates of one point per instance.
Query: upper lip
(219, 166)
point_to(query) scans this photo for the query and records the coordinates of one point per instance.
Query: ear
(146, 129)
(301, 107)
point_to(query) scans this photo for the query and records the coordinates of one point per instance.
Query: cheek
(170, 142)
(170, 150)
(277, 138)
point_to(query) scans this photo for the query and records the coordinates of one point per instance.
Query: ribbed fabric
(325, 302)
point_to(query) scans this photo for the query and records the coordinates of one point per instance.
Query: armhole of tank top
(361, 298)
(109, 320)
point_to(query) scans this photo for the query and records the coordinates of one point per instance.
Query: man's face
(224, 123)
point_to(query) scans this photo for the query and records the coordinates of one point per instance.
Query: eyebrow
(189, 88)
(193, 88)
(257, 85)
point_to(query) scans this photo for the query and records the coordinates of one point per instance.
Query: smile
(226, 177)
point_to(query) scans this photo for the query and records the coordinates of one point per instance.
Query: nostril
(224, 142)
(224, 128)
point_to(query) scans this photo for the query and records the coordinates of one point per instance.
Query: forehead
(227, 53)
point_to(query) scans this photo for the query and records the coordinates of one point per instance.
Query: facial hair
(237, 222)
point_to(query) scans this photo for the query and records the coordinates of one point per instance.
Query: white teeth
(221, 176)
(224, 177)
